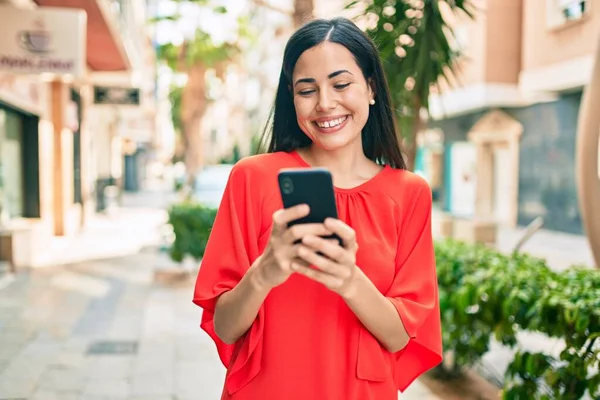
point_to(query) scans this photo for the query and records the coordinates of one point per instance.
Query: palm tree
(416, 43)
(588, 181)
(194, 57)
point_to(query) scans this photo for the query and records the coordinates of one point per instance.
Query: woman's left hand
(336, 268)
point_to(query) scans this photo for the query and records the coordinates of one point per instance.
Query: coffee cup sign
(48, 40)
(35, 41)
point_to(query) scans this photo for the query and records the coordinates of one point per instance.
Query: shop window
(11, 164)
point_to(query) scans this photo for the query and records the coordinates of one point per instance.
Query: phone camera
(287, 186)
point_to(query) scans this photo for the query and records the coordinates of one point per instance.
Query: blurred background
(120, 121)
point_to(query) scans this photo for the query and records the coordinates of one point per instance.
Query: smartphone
(312, 186)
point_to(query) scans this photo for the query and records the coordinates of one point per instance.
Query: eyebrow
(331, 75)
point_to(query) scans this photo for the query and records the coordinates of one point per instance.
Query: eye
(341, 86)
(306, 92)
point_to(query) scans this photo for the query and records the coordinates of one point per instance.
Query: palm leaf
(430, 58)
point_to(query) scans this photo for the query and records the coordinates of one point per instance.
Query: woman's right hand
(274, 265)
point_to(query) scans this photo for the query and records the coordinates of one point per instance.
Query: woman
(362, 320)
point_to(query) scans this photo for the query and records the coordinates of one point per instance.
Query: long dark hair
(379, 136)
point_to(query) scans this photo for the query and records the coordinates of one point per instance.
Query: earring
(372, 101)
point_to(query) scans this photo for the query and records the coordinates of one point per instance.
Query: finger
(346, 233)
(328, 247)
(300, 262)
(324, 264)
(328, 280)
(291, 254)
(298, 231)
(282, 217)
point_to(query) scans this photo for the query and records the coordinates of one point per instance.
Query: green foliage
(191, 224)
(175, 96)
(416, 46)
(486, 294)
(200, 49)
(232, 158)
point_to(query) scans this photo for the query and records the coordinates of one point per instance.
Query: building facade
(508, 131)
(51, 137)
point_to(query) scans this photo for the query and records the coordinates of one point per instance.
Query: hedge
(191, 224)
(483, 295)
(486, 294)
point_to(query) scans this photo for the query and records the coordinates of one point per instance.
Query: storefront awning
(105, 50)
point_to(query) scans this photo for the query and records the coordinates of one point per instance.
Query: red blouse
(306, 343)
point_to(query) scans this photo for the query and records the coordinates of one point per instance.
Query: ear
(371, 88)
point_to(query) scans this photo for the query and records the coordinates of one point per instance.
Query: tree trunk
(303, 12)
(193, 107)
(588, 182)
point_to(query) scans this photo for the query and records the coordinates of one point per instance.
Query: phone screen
(312, 186)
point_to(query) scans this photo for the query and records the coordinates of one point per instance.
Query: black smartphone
(312, 186)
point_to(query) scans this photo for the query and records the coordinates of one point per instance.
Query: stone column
(58, 100)
(485, 182)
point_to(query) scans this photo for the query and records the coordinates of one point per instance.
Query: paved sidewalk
(103, 330)
(125, 230)
(560, 250)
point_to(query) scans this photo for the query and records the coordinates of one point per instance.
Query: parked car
(210, 184)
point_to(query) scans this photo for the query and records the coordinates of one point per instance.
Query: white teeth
(331, 124)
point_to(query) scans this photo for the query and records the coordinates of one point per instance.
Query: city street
(121, 122)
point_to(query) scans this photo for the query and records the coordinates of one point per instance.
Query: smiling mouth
(331, 123)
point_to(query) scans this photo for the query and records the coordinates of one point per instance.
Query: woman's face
(331, 96)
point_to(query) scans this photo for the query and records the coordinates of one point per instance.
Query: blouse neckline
(362, 187)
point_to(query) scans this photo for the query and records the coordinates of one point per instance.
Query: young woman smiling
(315, 319)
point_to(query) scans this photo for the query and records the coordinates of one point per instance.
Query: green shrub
(485, 294)
(191, 224)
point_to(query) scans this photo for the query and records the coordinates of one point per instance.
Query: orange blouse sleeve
(231, 249)
(414, 291)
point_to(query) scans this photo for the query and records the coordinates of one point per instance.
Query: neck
(346, 164)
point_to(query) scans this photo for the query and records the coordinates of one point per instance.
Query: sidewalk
(560, 250)
(135, 224)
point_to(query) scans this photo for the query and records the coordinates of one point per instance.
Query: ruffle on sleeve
(231, 249)
(414, 293)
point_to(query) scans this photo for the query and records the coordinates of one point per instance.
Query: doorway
(496, 137)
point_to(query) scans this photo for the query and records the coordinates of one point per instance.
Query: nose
(326, 101)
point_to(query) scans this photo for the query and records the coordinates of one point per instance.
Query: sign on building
(116, 95)
(43, 40)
